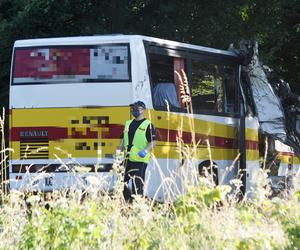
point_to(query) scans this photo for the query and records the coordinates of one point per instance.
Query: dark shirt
(150, 132)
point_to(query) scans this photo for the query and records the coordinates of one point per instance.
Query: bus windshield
(59, 64)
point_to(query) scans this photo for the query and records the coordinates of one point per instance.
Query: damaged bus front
(278, 113)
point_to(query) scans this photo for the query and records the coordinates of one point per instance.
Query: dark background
(275, 24)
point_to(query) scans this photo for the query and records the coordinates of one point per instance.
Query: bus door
(203, 113)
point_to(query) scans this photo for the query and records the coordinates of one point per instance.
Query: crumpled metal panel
(268, 106)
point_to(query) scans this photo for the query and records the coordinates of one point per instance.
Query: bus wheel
(212, 170)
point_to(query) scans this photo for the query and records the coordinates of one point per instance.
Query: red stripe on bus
(114, 131)
(214, 141)
(286, 153)
(251, 145)
(109, 131)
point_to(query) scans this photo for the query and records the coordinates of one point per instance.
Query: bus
(282, 164)
(69, 100)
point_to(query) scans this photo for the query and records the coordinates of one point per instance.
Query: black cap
(138, 104)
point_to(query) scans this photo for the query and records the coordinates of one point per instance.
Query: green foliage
(275, 24)
(203, 218)
(196, 198)
(67, 224)
(289, 216)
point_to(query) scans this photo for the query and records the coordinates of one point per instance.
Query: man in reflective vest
(138, 138)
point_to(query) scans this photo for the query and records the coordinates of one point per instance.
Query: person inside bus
(164, 94)
(138, 139)
(164, 90)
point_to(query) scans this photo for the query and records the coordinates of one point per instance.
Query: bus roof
(78, 40)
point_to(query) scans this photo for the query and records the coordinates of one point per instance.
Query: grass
(205, 216)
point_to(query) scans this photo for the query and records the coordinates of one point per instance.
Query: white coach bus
(69, 101)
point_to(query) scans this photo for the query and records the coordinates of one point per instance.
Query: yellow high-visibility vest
(139, 141)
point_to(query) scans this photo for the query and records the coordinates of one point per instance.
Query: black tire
(211, 169)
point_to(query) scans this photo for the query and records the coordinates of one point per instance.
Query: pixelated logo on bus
(90, 127)
(45, 63)
(71, 64)
(86, 132)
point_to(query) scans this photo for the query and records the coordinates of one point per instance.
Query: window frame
(223, 113)
(206, 57)
(153, 48)
(129, 67)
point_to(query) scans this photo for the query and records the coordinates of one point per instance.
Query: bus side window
(206, 87)
(165, 91)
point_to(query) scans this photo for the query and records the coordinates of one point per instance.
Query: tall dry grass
(205, 217)
(200, 215)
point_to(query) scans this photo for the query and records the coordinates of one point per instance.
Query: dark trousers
(134, 171)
